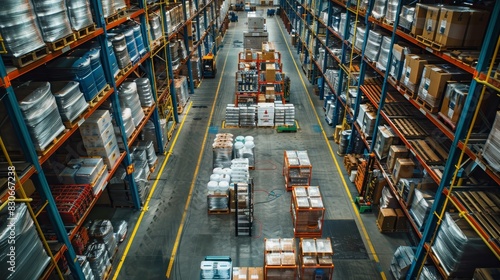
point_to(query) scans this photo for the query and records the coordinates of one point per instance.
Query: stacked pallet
(307, 211)
(297, 169)
(280, 259)
(315, 258)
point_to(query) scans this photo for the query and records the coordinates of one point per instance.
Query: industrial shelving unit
(155, 64)
(459, 146)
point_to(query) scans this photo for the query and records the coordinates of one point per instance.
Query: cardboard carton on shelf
(395, 152)
(454, 100)
(419, 19)
(270, 72)
(452, 25)
(476, 28)
(413, 69)
(401, 220)
(431, 22)
(386, 219)
(402, 169)
(432, 84)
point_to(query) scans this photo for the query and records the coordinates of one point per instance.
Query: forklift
(209, 69)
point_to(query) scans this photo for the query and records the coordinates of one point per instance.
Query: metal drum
(131, 45)
(344, 141)
(53, 19)
(79, 14)
(129, 98)
(138, 39)
(19, 27)
(144, 90)
(121, 52)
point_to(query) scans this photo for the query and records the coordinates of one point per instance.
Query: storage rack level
(243, 193)
(315, 258)
(307, 211)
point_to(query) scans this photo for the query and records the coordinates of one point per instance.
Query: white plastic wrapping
(39, 109)
(79, 13)
(379, 8)
(108, 7)
(144, 91)
(120, 49)
(19, 27)
(52, 18)
(70, 100)
(130, 99)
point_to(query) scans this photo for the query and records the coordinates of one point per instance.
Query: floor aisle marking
(195, 175)
(363, 229)
(146, 204)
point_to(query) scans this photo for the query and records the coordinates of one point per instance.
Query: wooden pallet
(30, 57)
(153, 168)
(409, 128)
(483, 205)
(76, 121)
(407, 91)
(469, 58)
(496, 76)
(385, 230)
(436, 46)
(98, 97)
(426, 106)
(218, 212)
(116, 16)
(393, 80)
(52, 143)
(399, 110)
(123, 72)
(375, 91)
(61, 43)
(180, 109)
(428, 152)
(86, 31)
(107, 273)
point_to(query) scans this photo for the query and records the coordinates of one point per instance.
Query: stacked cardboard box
(99, 138)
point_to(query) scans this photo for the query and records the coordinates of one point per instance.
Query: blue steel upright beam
(464, 122)
(186, 45)
(299, 32)
(362, 71)
(198, 34)
(149, 72)
(318, 43)
(307, 23)
(213, 27)
(327, 43)
(116, 103)
(205, 24)
(385, 84)
(170, 69)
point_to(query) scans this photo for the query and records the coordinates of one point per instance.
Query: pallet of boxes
(280, 259)
(297, 169)
(315, 258)
(307, 211)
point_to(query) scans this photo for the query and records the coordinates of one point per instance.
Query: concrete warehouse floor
(175, 232)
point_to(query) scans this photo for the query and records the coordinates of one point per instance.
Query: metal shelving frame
(460, 149)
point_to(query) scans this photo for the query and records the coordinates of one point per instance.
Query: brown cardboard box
(248, 55)
(419, 19)
(412, 71)
(386, 219)
(240, 273)
(402, 169)
(431, 22)
(432, 84)
(270, 72)
(268, 47)
(452, 25)
(395, 152)
(400, 220)
(256, 273)
(477, 27)
(268, 56)
(454, 100)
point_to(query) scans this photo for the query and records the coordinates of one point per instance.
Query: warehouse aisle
(159, 249)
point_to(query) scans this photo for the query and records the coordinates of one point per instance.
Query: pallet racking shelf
(163, 99)
(460, 147)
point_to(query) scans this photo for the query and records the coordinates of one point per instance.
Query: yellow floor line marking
(146, 204)
(363, 229)
(195, 175)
